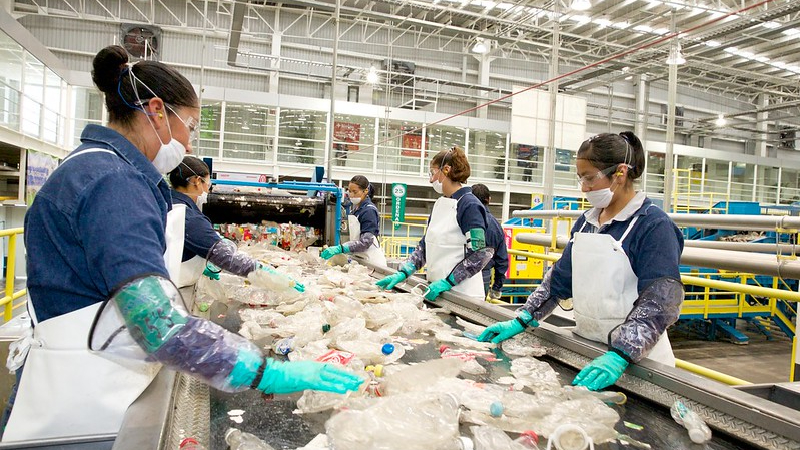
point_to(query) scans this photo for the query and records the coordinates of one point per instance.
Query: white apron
(65, 389)
(374, 254)
(445, 247)
(604, 289)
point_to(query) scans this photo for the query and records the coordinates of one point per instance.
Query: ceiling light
(661, 31)
(713, 43)
(580, 5)
(771, 25)
(720, 122)
(372, 75)
(621, 25)
(603, 22)
(629, 77)
(480, 46)
(675, 55)
(643, 28)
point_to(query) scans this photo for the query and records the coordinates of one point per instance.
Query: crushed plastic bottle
(487, 437)
(699, 432)
(570, 437)
(284, 346)
(239, 440)
(528, 440)
(422, 375)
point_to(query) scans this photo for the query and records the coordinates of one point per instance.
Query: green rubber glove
(601, 373)
(388, 282)
(294, 376)
(330, 252)
(210, 274)
(501, 331)
(437, 287)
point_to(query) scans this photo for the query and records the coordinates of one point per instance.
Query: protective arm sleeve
(361, 244)
(226, 256)
(417, 258)
(478, 254)
(657, 307)
(150, 308)
(541, 303)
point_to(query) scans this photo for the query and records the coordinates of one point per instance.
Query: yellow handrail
(709, 373)
(10, 295)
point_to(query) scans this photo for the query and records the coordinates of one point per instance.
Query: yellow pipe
(708, 373)
(12, 251)
(11, 231)
(743, 288)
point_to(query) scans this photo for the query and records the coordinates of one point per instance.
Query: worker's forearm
(226, 256)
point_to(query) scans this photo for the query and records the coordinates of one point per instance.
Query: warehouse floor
(759, 361)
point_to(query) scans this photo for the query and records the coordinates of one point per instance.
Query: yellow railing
(688, 195)
(10, 295)
(403, 239)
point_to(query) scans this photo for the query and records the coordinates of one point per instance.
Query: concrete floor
(759, 361)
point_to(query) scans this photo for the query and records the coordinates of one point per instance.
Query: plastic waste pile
(343, 318)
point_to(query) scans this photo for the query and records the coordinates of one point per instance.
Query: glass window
(33, 95)
(487, 154)
(767, 185)
(88, 108)
(249, 132)
(210, 126)
(716, 182)
(742, 181)
(10, 81)
(302, 136)
(655, 172)
(442, 138)
(790, 186)
(525, 163)
(353, 141)
(400, 147)
(51, 116)
(565, 173)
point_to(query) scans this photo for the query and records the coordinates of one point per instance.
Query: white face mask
(169, 155)
(355, 200)
(438, 187)
(600, 198)
(201, 200)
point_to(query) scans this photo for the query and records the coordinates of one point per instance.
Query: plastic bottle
(284, 346)
(528, 439)
(191, 443)
(699, 432)
(239, 440)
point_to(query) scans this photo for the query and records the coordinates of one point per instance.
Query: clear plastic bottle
(699, 432)
(191, 443)
(239, 440)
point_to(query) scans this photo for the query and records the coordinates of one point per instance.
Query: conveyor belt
(739, 420)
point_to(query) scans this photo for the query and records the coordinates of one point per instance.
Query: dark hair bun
(107, 66)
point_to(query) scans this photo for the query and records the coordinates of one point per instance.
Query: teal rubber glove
(601, 373)
(266, 277)
(501, 331)
(330, 252)
(437, 287)
(210, 274)
(388, 282)
(294, 376)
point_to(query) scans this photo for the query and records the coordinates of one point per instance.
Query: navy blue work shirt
(653, 246)
(496, 239)
(367, 215)
(470, 212)
(97, 222)
(200, 235)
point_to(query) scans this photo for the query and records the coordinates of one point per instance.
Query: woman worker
(454, 245)
(95, 237)
(364, 224)
(620, 267)
(190, 182)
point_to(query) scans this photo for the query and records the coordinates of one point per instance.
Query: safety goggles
(590, 180)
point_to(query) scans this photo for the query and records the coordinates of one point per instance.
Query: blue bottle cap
(496, 409)
(387, 349)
